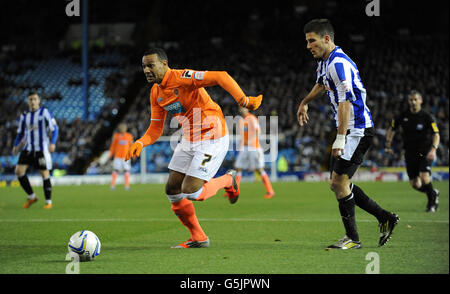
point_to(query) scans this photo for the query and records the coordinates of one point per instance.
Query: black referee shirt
(418, 129)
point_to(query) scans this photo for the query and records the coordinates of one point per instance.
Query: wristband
(435, 147)
(339, 143)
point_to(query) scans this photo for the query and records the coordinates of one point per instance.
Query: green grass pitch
(283, 235)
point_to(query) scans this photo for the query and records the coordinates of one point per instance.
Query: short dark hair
(158, 51)
(320, 26)
(31, 93)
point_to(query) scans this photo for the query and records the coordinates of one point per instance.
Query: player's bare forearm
(343, 117)
(302, 112)
(389, 137)
(432, 153)
(436, 139)
(315, 92)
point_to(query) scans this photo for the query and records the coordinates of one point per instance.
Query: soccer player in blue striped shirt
(338, 76)
(35, 145)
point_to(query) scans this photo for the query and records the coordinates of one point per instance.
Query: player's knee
(19, 172)
(172, 189)
(425, 178)
(416, 183)
(191, 188)
(334, 185)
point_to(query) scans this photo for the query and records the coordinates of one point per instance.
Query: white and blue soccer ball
(86, 244)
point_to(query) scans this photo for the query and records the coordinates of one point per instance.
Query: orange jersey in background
(249, 127)
(119, 145)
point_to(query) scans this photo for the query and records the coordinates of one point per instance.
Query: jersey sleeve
(394, 122)
(52, 125)
(112, 147)
(432, 124)
(156, 127)
(340, 73)
(20, 130)
(253, 128)
(199, 79)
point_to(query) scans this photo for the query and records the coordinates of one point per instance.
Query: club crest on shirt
(159, 99)
(176, 92)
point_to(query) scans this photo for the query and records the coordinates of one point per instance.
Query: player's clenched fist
(252, 103)
(134, 150)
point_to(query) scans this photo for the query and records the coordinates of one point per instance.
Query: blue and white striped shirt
(34, 127)
(340, 76)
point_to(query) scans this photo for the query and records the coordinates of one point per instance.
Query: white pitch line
(36, 220)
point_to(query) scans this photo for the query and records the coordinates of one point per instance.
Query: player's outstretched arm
(154, 131)
(152, 134)
(224, 80)
(302, 112)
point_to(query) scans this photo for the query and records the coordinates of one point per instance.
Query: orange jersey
(182, 93)
(119, 145)
(249, 127)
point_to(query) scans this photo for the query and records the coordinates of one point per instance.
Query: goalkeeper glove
(134, 150)
(252, 103)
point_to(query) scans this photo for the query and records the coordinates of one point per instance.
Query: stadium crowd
(270, 61)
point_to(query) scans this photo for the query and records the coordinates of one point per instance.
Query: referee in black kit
(420, 141)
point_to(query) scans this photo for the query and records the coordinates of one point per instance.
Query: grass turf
(283, 235)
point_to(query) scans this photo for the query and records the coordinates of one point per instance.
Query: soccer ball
(86, 244)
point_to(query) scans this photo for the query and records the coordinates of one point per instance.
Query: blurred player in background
(200, 153)
(120, 143)
(251, 155)
(420, 141)
(35, 145)
(338, 75)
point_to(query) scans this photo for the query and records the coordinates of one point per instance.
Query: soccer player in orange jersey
(121, 141)
(251, 155)
(200, 153)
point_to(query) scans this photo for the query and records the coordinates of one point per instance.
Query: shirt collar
(332, 52)
(165, 78)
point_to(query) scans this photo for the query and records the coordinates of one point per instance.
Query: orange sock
(210, 188)
(113, 179)
(127, 179)
(185, 211)
(267, 184)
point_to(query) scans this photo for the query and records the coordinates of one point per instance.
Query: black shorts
(36, 159)
(416, 163)
(359, 147)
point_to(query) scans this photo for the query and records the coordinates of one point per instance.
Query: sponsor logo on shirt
(200, 75)
(175, 108)
(187, 74)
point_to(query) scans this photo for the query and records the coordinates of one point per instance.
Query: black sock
(347, 210)
(429, 190)
(421, 189)
(47, 189)
(25, 184)
(364, 202)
